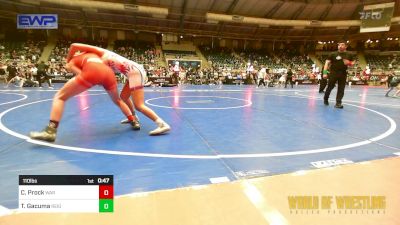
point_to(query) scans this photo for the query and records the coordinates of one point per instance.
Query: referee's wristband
(325, 72)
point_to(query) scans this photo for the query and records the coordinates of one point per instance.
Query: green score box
(106, 205)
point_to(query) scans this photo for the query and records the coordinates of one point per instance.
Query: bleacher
(22, 51)
(29, 50)
(383, 62)
(225, 62)
(223, 58)
(140, 52)
(258, 58)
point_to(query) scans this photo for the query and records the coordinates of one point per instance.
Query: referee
(337, 64)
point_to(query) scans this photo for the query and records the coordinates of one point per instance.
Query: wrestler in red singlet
(134, 88)
(94, 71)
(90, 70)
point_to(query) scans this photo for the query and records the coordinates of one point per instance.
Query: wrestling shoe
(47, 134)
(339, 106)
(135, 125)
(126, 121)
(161, 129)
(326, 102)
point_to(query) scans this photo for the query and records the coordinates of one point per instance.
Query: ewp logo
(37, 21)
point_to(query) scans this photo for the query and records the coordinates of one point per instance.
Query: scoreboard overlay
(66, 193)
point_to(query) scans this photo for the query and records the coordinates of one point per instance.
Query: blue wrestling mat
(218, 134)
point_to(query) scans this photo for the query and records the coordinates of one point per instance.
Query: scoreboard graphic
(66, 193)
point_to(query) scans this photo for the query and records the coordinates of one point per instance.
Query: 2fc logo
(370, 15)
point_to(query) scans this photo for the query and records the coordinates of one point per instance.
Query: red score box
(106, 192)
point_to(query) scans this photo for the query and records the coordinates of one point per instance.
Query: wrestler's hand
(69, 56)
(348, 62)
(72, 68)
(68, 67)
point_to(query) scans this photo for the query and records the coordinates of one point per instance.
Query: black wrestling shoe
(47, 134)
(135, 125)
(326, 102)
(339, 106)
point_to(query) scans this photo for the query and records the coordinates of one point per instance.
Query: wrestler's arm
(326, 68)
(72, 68)
(348, 62)
(84, 48)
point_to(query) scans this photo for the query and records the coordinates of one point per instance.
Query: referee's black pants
(341, 80)
(322, 84)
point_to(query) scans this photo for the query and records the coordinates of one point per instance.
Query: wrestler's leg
(138, 100)
(113, 93)
(125, 96)
(70, 89)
